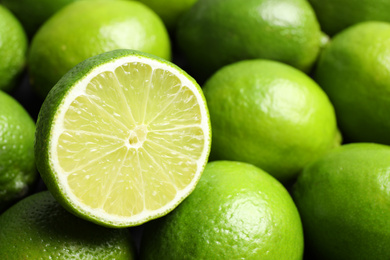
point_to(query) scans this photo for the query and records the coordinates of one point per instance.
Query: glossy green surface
(344, 202)
(215, 33)
(170, 10)
(33, 13)
(237, 211)
(271, 115)
(13, 48)
(17, 164)
(89, 28)
(354, 70)
(39, 228)
(336, 15)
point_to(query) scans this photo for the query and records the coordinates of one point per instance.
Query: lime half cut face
(127, 142)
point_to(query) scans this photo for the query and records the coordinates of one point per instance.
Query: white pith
(80, 89)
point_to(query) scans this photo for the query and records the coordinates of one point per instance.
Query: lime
(271, 115)
(336, 15)
(170, 10)
(123, 138)
(344, 199)
(89, 28)
(17, 164)
(33, 13)
(214, 33)
(39, 228)
(354, 70)
(237, 211)
(13, 47)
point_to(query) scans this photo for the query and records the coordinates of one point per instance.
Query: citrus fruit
(271, 115)
(354, 70)
(214, 33)
(17, 164)
(343, 199)
(32, 13)
(89, 28)
(13, 47)
(39, 228)
(237, 211)
(123, 138)
(169, 10)
(336, 15)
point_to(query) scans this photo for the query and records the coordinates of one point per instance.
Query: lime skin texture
(13, 49)
(271, 115)
(169, 10)
(214, 33)
(343, 199)
(45, 126)
(17, 164)
(337, 15)
(33, 13)
(237, 211)
(39, 228)
(354, 71)
(89, 28)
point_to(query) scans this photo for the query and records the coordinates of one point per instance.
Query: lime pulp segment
(130, 140)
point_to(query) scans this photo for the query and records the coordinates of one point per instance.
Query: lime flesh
(128, 141)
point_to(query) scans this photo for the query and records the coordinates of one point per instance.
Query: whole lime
(344, 199)
(271, 115)
(89, 28)
(39, 228)
(336, 15)
(17, 164)
(32, 13)
(354, 70)
(214, 33)
(237, 211)
(170, 10)
(13, 48)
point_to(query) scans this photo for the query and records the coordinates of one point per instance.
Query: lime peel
(57, 178)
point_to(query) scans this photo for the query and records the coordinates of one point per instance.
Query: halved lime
(123, 138)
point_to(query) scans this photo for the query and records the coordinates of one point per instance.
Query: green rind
(32, 13)
(17, 165)
(271, 115)
(169, 10)
(337, 15)
(13, 49)
(215, 33)
(49, 110)
(344, 203)
(354, 71)
(39, 228)
(237, 211)
(89, 28)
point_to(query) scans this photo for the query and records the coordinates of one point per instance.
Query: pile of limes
(194, 129)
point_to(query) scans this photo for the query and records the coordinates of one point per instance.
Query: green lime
(13, 48)
(17, 164)
(170, 10)
(354, 70)
(89, 28)
(123, 138)
(39, 228)
(237, 211)
(214, 33)
(336, 15)
(344, 199)
(271, 115)
(33, 13)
